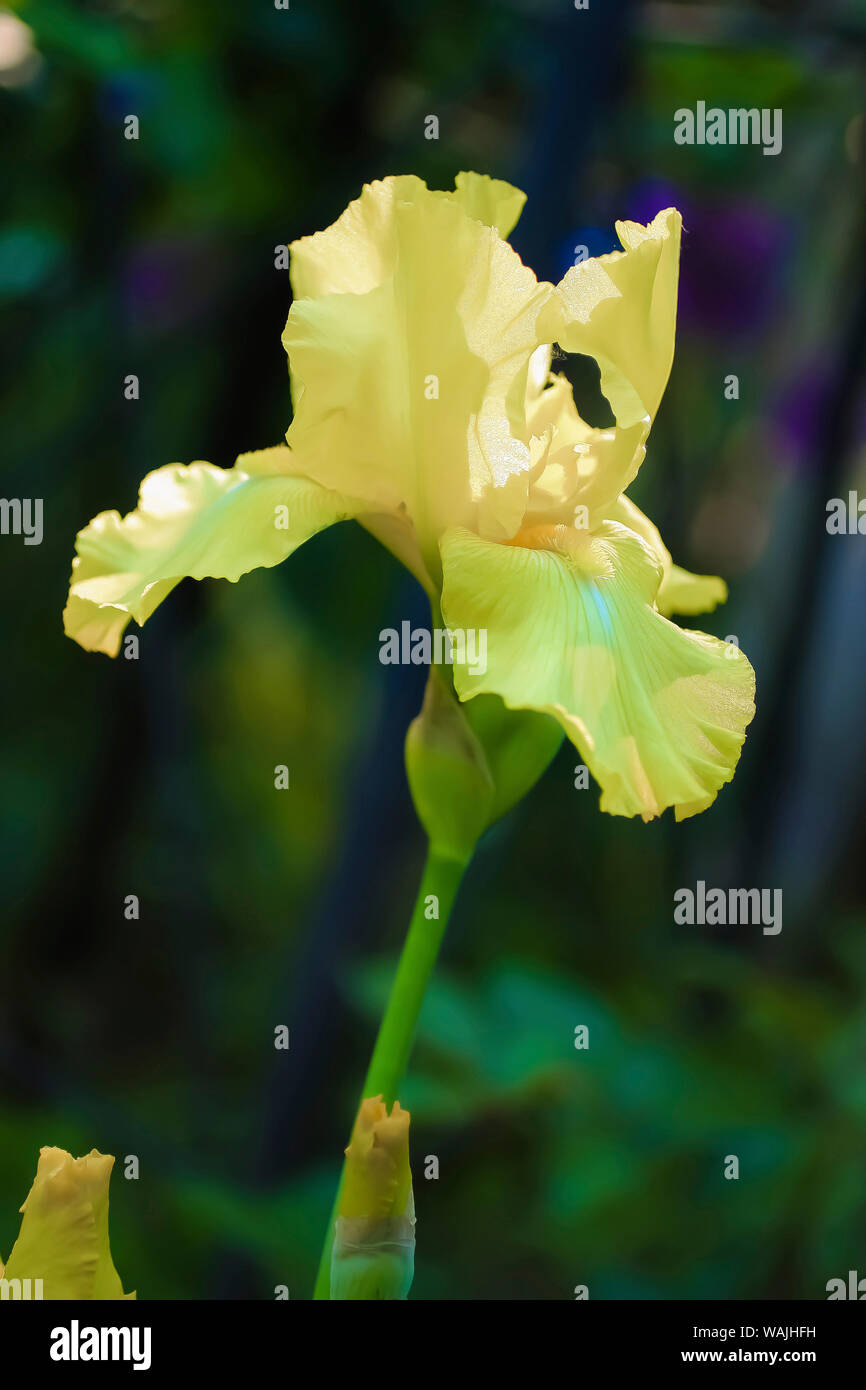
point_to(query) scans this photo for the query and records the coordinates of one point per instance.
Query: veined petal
(658, 713)
(409, 374)
(191, 520)
(64, 1234)
(621, 310)
(680, 591)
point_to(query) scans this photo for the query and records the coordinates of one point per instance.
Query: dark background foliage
(155, 1037)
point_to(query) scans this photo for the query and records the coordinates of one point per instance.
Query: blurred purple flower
(734, 253)
(799, 413)
(168, 281)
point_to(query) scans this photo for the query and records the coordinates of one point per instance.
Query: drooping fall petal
(193, 521)
(658, 713)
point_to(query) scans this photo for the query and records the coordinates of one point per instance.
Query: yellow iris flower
(419, 347)
(63, 1241)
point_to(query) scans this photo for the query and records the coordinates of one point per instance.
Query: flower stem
(441, 880)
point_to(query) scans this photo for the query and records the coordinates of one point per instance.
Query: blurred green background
(258, 908)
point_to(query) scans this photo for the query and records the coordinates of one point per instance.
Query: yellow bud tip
(60, 1178)
(378, 1177)
(63, 1241)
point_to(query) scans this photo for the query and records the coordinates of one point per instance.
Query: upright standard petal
(621, 310)
(658, 713)
(358, 251)
(193, 521)
(492, 201)
(64, 1234)
(409, 344)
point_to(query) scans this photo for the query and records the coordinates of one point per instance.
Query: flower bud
(448, 774)
(519, 745)
(63, 1241)
(373, 1255)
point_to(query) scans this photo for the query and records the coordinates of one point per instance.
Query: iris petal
(680, 591)
(658, 713)
(409, 344)
(621, 309)
(193, 521)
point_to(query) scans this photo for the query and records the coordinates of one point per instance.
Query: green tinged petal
(193, 521)
(64, 1234)
(690, 594)
(658, 713)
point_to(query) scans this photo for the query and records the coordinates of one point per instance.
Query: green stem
(441, 879)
